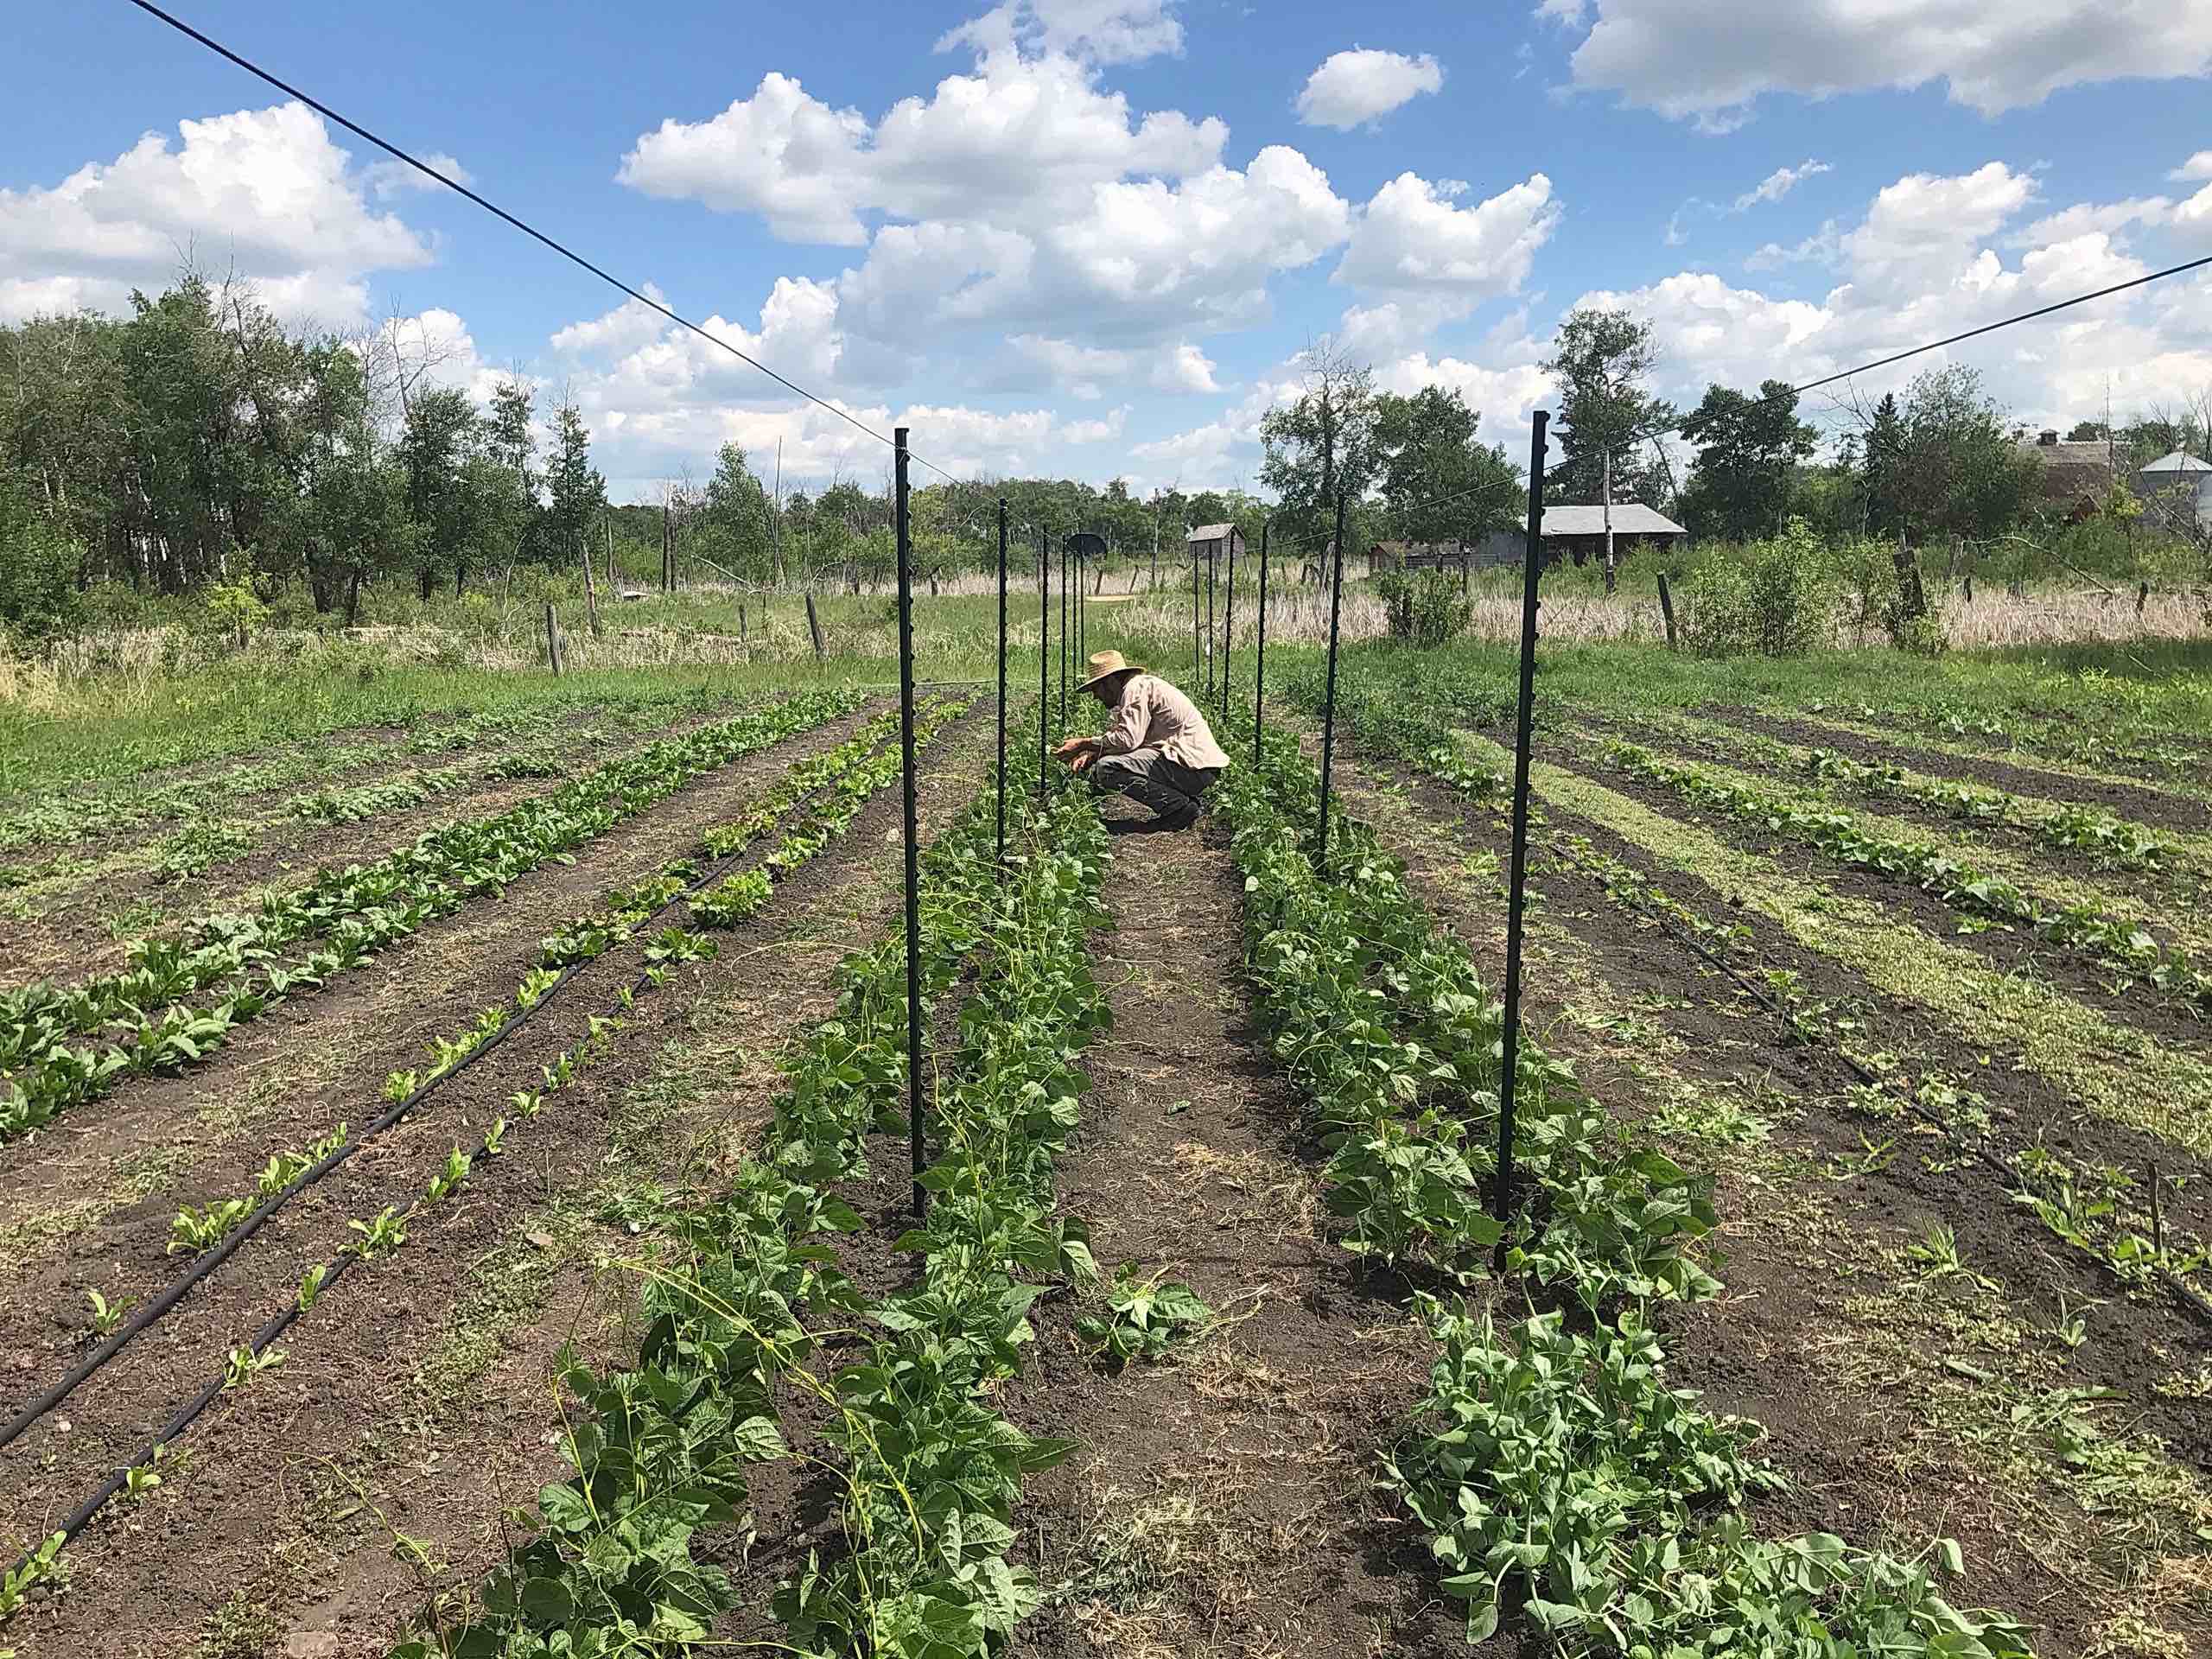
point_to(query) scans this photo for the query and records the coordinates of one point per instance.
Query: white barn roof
(2179, 461)
(1211, 533)
(1630, 519)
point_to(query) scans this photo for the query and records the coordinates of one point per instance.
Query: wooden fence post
(552, 637)
(814, 628)
(1667, 609)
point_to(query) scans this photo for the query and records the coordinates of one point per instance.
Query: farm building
(1578, 533)
(1215, 543)
(2173, 484)
(2074, 478)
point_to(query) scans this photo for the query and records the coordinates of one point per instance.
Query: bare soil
(1788, 1344)
(417, 1400)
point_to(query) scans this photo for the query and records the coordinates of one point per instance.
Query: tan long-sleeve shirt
(1153, 714)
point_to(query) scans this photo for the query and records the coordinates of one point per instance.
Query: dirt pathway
(1225, 1502)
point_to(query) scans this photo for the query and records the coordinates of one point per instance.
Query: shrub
(1423, 608)
(1775, 599)
(232, 609)
(39, 561)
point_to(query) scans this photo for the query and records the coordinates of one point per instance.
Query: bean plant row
(139, 1020)
(1555, 1469)
(849, 775)
(2122, 945)
(929, 1470)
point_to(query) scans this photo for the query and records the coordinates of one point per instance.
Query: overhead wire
(1645, 435)
(524, 225)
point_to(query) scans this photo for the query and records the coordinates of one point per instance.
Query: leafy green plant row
(2116, 737)
(410, 789)
(1381, 714)
(612, 921)
(1394, 1040)
(929, 1470)
(2123, 944)
(2111, 842)
(358, 912)
(1555, 1470)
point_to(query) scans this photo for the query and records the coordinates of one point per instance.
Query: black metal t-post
(1532, 563)
(1067, 642)
(1044, 657)
(1198, 648)
(1002, 773)
(913, 832)
(1259, 654)
(1329, 696)
(1228, 623)
(1210, 662)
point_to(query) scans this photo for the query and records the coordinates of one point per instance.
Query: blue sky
(1096, 235)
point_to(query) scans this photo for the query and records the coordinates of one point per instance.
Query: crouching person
(1157, 748)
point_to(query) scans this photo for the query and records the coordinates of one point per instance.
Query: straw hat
(1105, 664)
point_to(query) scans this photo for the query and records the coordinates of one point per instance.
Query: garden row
(1556, 1471)
(62, 1047)
(744, 1293)
(815, 803)
(2117, 943)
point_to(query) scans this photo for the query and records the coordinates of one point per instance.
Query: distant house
(1578, 533)
(1213, 543)
(2074, 477)
(2176, 485)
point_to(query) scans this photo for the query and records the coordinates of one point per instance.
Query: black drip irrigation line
(2189, 1297)
(205, 1267)
(336, 1268)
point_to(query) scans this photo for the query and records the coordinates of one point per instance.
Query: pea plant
(929, 1470)
(1559, 1478)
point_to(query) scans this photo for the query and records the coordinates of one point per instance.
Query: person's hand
(1083, 759)
(1071, 746)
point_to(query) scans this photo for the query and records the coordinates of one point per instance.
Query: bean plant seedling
(1144, 1315)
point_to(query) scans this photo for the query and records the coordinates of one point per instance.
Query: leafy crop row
(356, 912)
(853, 771)
(929, 1470)
(2111, 842)
(1556, 1471)
(1957, 883)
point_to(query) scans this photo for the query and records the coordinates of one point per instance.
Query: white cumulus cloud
(1102, 31)
(261, 193)
(1711, 59)
(1413, 236)
(1361, 84)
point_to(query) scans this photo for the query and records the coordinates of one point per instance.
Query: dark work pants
(1168, 787)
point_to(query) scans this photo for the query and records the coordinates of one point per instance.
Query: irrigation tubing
(337, 1268)
(206, 1266)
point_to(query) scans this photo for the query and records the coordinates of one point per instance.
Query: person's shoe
(1181, 818)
